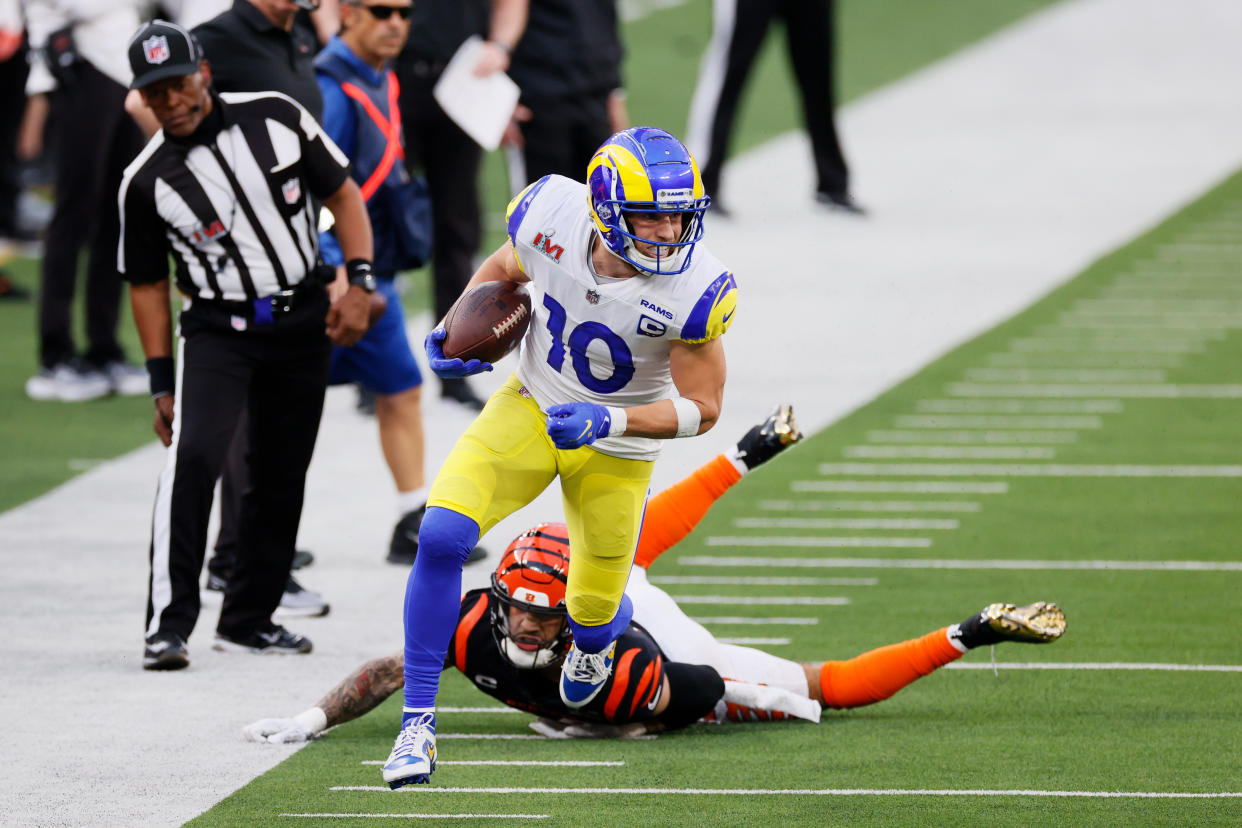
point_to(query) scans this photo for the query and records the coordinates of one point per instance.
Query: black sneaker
(212, 592)
(274, 640)
(366, 400)
(297, 600)
(165, 651)
(403, 548)
(458, 391)
(302, 558)
(769, 438)
(840, 202)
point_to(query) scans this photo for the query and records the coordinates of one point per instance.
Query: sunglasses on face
(385, 12)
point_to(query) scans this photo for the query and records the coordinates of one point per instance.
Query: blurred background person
(80, 70)
(12, 101)
(568, 67)
(437, 147)
(739, 28)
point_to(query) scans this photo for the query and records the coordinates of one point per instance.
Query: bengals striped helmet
(532, 576)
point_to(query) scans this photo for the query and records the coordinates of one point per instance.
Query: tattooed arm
(361, 692)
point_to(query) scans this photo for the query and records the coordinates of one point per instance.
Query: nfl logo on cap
(155, 49)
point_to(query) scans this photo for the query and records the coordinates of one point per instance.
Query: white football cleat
(583, 675)
(413, 757)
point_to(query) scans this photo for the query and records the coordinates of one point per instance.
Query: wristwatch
(358, 272)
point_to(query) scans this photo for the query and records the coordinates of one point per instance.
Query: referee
(226, 188)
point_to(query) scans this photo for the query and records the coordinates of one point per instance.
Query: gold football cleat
(1036, 623)
(781, 425)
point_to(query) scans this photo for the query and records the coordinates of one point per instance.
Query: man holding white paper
(437, 147)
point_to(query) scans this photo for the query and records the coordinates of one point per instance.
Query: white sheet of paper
(480, 106)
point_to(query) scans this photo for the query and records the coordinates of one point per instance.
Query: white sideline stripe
(755, 642)
(426, 789)
(951, 452)
(822, 542)
(843, 523)
(923, 436)
(869, 506)
(898, 487)
(1065, 375)
(1019, 406)
(522, 737)
(757, 600)
(758, 622)
(476, 710)
(552, 763)
(929, 563)
(1109, 344)
(417, 816)
(1175, 668)
(725, 579)
(1027, 470)
(1190, 392)
(1015, 421)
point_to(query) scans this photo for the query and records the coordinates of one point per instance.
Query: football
(487, 322)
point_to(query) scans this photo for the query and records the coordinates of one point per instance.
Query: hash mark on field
(972, 437)
(755, 642)
(426, 790)
(1169, 391)
(1019, 407)
(951, 452)
(1176, 668)
(758, 622)
(843, 523)
(417, 816)
(930, 563)
(725, 579)
(554, 763)
(759, 600)
(823, 542)
(1015, 421)
(1027, 470)
(869, 506)
(898, 487)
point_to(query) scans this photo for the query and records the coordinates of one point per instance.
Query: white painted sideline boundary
(1086, 665)
(915, 563)
(804, 792)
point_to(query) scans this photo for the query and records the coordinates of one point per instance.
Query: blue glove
(575, 424)
(446, 368)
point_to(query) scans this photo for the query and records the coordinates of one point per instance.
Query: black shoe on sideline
(302, 558)
(840, 202)
(403, 548)
(274, 640)
(165, 651)
(458, 391)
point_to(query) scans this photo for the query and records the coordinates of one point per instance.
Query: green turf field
(45, 444)
(1100, 466)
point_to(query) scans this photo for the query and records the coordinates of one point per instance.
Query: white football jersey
(605, 343)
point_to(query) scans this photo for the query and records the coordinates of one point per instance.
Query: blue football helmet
(646, 170)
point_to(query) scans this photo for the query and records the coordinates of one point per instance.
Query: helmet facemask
(528, 652)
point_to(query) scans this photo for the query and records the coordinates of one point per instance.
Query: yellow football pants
(505, 459)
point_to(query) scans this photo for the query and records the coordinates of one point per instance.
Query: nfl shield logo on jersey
(155, 49)
(292, 190)
(592, 296)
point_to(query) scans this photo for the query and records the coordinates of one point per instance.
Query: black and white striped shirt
(232, 201)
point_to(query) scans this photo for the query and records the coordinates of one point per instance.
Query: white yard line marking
(725, 579)
(520, 737)
(755, 642)
(898, 487)
(916, 563)
(1149, 334)
(1065, 375)
(746, 620)
(822, 542)
(1109, 344)
(1086, 359)
(1213, 328)
(989, 421)
(1026, 470)
(1175, 668)
(428, 789)
(476, 710)
(951, 452)
(1019, 406)
(1188, 392)
(556, 763)
(966, 437)
(843, 523)
(869, 505)
(757, 600)
(416, 816)
(1153, 307)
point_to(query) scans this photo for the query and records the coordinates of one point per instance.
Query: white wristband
(314, 720)
(688, 416)
(619, 421)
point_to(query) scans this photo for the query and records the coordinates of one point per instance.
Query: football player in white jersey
(623, 350)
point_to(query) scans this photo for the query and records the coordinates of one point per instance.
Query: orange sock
(877, 674)
(674, 512)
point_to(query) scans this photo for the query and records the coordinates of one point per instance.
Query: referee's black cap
(162, 50)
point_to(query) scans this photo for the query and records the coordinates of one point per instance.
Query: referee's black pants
(94, 141)
(277, 374)
(726, 67)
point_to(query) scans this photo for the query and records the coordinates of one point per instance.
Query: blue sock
(433, 601)
(595, 639)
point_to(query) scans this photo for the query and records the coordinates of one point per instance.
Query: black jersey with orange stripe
(630, 695)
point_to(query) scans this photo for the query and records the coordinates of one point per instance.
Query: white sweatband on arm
(619, 421)
(314, 720)
(688, 416)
